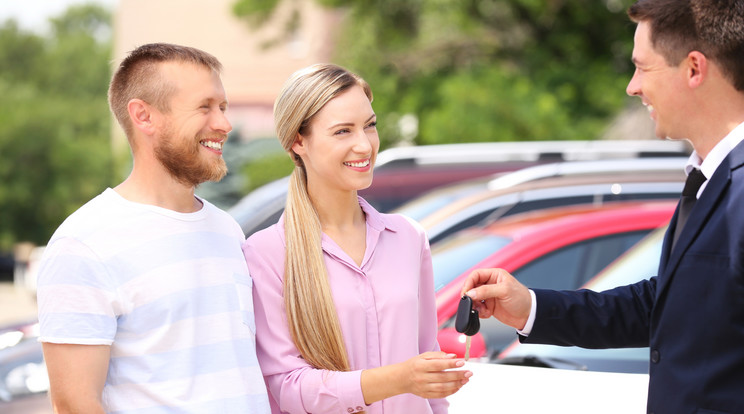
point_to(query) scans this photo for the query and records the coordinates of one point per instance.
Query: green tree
(485, 70)
(55, 150)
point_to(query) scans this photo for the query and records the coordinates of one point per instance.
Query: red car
(559, 248)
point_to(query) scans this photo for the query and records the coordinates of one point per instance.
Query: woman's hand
(428, 375)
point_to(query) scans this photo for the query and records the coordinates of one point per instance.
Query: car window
(639, 263)
(455, 256)
(572, 266)
(567, 268)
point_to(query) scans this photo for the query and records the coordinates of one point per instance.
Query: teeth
(357, 164)
(649, 107)
(215, 145)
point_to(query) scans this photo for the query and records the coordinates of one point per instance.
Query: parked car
(262, 207)
(558, 248)
(640, 262)
(404, 173)
(447, 210)
(22, 369)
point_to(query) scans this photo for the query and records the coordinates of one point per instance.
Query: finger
(440, 365)
(446, 388)
(444, 377)
(478, 277)
(437, 355)
(485, 308)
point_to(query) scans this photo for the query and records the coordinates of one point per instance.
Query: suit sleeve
(616, 318)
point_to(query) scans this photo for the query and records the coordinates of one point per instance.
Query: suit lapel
(705, 206)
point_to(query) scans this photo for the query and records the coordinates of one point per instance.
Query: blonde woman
(344, 297)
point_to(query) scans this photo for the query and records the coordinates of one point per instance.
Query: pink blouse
(386, 309)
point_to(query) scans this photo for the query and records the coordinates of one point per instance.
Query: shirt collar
(376, 220)
(717, 154)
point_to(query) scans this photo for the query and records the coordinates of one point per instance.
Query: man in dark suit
(689, 58)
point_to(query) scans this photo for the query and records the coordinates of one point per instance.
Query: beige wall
(252, 74)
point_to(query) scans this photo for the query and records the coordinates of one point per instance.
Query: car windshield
(454, 256)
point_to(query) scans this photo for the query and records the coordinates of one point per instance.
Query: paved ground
(16, 305)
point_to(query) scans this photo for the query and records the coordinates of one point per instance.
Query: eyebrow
(210, 100)
(340, 124)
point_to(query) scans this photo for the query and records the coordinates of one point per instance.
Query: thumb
(485, 292)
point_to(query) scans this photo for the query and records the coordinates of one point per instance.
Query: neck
(719, 114)
(155, 186)
(340, 210)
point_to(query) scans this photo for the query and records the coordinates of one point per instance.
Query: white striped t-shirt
(159, 287)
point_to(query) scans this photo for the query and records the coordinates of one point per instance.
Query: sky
(34, 14)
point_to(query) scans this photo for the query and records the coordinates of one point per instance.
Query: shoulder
(92, 218)
(265, 249)
(396, 223)
(223, 219)
(401, 223)
(269, 238)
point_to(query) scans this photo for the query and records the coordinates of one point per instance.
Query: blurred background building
(253, 70)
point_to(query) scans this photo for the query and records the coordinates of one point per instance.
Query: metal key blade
(467, 347)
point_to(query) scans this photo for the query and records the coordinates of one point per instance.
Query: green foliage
(55, 151)
(489, 70)
(263, 170)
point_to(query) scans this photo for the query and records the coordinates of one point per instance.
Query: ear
(299, 145)
(141, 114)
(697, 69)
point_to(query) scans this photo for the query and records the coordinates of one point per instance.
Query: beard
(181, 157)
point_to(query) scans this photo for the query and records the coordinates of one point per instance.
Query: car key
(467, 321)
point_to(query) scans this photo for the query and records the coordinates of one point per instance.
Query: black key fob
(467, 321)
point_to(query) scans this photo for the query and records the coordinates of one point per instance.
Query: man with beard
(138, 305)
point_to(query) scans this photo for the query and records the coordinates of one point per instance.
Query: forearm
(612, 319)
(382, 382)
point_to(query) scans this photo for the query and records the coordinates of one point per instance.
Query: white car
(495, 388)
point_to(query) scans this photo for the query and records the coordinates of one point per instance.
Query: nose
(634, 85)
(363, 143)
(221, 123)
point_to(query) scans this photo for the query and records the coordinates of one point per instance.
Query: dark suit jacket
(691, 315)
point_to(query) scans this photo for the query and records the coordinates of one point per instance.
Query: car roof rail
(543, 171)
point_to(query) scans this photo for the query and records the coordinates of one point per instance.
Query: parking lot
(17, 306)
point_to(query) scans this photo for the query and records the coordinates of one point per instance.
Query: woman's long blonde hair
(311, 313)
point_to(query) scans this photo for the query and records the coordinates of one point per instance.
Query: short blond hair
(138, 77)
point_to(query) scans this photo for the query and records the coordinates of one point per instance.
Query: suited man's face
(661, 87)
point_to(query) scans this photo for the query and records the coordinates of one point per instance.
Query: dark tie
(689, 196)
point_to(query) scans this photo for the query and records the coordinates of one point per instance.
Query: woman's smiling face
(340, 148)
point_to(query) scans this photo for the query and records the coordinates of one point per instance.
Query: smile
(215, 145)
(359, 164)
